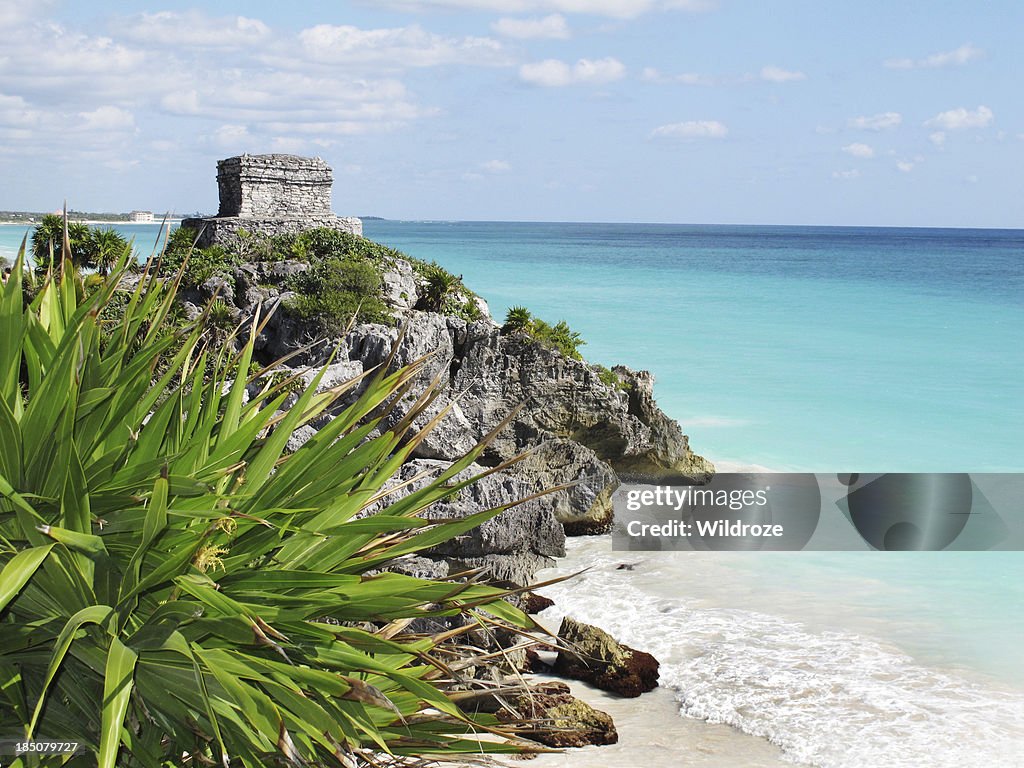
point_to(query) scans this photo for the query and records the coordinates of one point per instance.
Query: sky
(686, 111)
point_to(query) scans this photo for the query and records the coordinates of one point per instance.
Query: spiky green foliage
(443, 291)
(439, 285)
(48, 238)
(517, 319)
(558, 336)
(176, 588)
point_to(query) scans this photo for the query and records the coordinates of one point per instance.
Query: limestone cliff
(580, 429)
(580, 426)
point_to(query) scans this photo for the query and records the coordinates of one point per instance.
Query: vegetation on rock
(337, 292)
(196, 265)
(175, 587)
(558, 336)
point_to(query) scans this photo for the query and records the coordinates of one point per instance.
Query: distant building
(141, 217)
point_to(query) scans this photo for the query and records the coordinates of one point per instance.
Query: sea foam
(826, 698)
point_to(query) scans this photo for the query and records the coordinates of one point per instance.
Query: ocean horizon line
(591, 222)
(723, 225)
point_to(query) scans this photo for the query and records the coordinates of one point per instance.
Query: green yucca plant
(176, 588)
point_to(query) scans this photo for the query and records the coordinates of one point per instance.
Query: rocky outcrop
(533, 602)
(592, 655)
(551, 715)
(565, 401)
(577, 428)
(510, 546)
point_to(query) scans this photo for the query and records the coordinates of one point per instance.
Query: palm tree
(440, 284)
(106, 247)
(48, 237)
(517, 319)
(566, 340)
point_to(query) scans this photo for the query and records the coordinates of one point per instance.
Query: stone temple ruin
(271, 195)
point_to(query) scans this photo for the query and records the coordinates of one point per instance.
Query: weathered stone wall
(274, 186)
(270, 195)
(224, 231)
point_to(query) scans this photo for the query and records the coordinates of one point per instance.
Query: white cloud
(552, 27)
(938, 138)
(857, 149)
(622, 9)
(165, 145)
(77, 54)
(780, 75)
(77, 70)
(14, 12)
(691, 129)
(397, 48)
(496, 166)
(905, 166)
(769, 74)
(182, 102)
(881, 122)
(193, 29)
(289, 145)
(107, 119)
(231, 137)
(283, 103)
(961, 118)
(652, 75)
(15, 111)
(554, 73)
(90, 93)
(957, 57)
(846, 175)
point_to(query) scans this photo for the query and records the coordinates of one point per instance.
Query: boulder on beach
(556, 718)
(592, 655)
(533, 603)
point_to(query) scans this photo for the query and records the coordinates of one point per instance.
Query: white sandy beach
(653, 735)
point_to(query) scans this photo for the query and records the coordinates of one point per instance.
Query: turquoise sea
(806, 348)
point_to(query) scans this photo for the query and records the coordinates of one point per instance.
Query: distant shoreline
(90, 222)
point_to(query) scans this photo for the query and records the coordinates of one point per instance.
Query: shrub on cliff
(439, 287)
(558, 336)
(196, 265)
(335, 292)
(517, 319)
(177, 589)
(444, 292)
(321, 244)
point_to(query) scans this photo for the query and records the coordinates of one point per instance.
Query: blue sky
(693, 111)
